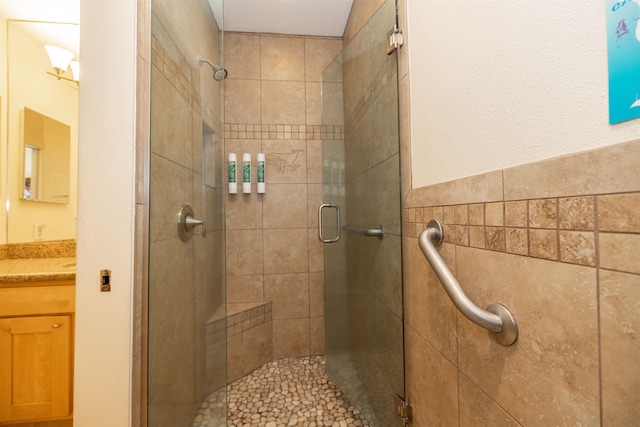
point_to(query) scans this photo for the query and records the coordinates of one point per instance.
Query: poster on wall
(623, 47)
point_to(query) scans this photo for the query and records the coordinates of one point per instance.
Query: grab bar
(496, 318)
(375, 232)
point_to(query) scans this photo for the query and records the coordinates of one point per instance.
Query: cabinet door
(35, 355)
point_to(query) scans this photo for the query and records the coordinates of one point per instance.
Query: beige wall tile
(427, 215)
(620, 252)
(474, 189)
(619, 212)
(461, 214)
(428, 309)
(314, 200)
(234, 357)
(245, 288)
(515, 214)
(244, 253)
(409, 215)
(318, 54)
(478, 410)
(170, 121)
(285, 206)
(316, 251)
(476, 236)
(332, 104)
(576, 213)
(171, 189)
(170, 264)
(517, 241)
(289, 294)
(432, 383)
(244, 211)
(242, 101)
(286, 161)
(242, 55)
(449, 214)
(476, 214)
(543, 213)
(543, 244)
(494, 214)
(313, 104)
(552, 370)
(286, 251)
(290, 338)
(438, 214)
(316, 294)
(314, 161)
(317, 334)
(282, 58)
(283, 102)
(578, 247)
(495, 238)
(619, 329)
(612, 169)
(257, 347)
(361, 12)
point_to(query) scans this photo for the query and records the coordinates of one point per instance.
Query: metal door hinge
(394, 40)
(403, 410)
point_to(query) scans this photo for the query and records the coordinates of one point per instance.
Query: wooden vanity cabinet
(36, 351)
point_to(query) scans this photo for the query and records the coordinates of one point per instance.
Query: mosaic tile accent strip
(282, 132)
(562, 229)
(384, 74)
(178, 76)
(241, 318)
(285, 392)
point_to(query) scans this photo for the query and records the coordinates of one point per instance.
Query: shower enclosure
(186, 299)
(361, 199)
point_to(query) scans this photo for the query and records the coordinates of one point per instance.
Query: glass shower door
(186, 369)
(363, 269)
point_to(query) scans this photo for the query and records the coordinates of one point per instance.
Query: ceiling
(301, 17)
(45, 12)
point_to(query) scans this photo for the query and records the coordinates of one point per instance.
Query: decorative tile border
(564, 229)
(380, 79)
(282, 132)
(248, 318)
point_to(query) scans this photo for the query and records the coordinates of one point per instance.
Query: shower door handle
(321, 222)
(186, 223)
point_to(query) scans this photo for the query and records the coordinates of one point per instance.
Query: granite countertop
(37, 269)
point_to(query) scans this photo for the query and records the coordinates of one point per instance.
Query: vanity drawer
(34, 300)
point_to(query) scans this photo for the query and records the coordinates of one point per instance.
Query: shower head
(219, 73)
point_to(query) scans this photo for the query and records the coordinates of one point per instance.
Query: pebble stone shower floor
(286, 392)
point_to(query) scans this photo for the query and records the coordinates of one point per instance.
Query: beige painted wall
(498, 84)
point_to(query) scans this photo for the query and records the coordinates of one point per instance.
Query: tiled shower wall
(272, 105)
(186, 165)
(557, 243)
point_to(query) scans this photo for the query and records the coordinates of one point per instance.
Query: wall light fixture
(61, 59)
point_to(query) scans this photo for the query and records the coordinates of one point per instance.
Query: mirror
(47, 145)
(39, 122)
